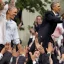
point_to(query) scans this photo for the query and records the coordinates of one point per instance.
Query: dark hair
(53, 4)
(39, 16)
(10, 8)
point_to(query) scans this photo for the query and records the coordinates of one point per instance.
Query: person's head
(12, 12)
(55, 6)
(39, 19)
(37, 54)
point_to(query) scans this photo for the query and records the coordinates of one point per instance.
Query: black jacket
(48, 26)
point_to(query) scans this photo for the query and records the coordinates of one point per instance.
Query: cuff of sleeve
(1, 56)
(34, 62)
(17, 41)
(22, 55)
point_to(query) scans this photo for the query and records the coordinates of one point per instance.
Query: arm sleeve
(16, 39)
(21, 60)
(1, 56)
(5, 8)
(52, 19)
(14, 60)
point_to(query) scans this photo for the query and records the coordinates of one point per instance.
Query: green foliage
(32, 5)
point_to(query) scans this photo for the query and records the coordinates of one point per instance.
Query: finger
(30, 54)
(41, 43)
(36, 40)
(14, 50)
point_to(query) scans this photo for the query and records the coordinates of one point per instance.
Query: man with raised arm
(3, 9)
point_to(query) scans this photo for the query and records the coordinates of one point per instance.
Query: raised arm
(12, 3)
(1, 5)
(1, 1)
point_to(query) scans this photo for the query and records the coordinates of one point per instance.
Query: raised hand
(39, 46)
(33, 57)
(12, 3)
(1, 5)
(23, 50)
(1, 1)
(9, 48)
(14, 53)
(50, 48)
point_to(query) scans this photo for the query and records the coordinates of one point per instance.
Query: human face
(12, 13)
(57, 7)
(37, 54)
(39, 20)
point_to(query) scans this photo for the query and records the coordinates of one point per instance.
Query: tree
(32, 5)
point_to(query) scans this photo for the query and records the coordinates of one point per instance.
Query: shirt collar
(54, 13)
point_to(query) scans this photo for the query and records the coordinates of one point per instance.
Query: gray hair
(13, 7)
(53, 4)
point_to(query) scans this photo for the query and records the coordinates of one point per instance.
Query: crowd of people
(46, 42)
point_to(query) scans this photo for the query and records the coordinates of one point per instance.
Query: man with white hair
(3, 9)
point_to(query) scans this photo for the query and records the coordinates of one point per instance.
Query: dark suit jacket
(21, 60)
(32, 48)
(63, 28)
(30, 40)
(44, 59)
(6, 58)
(47, 28)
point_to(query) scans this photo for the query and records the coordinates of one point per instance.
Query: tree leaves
(33, 5)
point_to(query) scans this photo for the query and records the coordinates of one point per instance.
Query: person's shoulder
(48, 12)
(13, 22)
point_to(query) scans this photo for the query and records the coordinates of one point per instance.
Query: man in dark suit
(49, 24)
(63, 25)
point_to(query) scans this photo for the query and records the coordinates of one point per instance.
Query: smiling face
(12, 13)
(39, 19)
(37, 54)
(56, 7)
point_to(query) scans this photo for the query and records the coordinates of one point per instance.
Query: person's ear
(8, 11)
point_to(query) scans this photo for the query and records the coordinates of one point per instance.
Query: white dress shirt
(11, 32)
(3, 23)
